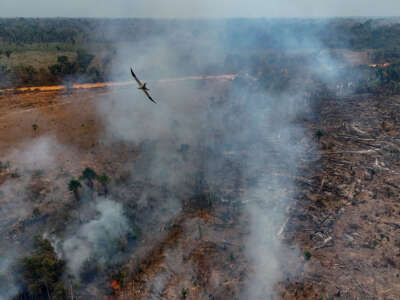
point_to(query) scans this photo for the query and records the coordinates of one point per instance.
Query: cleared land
(345, 217)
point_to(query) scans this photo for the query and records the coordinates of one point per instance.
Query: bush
(185, 292)
(62, 59)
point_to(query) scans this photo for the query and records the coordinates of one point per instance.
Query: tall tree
(89, 175)
(104, 180)
(74, 186)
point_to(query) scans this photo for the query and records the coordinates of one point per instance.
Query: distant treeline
(269, 49)
(350, 33)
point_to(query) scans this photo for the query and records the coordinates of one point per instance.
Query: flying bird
(143, 87)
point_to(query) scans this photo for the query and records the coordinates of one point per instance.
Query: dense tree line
(239, 36)
(349, 33)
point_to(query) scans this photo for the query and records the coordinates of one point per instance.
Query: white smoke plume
(257, 128)
(18, 197)
(8, 288)
(95, 238)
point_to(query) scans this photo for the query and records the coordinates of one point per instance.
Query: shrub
(185, 292)
(62, 59)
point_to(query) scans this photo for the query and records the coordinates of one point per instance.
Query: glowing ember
(114, 284)
(384, 65)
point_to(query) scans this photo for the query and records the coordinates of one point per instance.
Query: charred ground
(345, 217)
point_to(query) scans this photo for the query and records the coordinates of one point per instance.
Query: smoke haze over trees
(83, 50)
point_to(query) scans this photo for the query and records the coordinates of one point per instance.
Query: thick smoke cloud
(19, 196)
(26, 160)
(197, 8)
(269, 170)
(40, 153)
(251, 128)
(96, 238)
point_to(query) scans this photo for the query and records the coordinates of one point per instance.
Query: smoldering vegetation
(237, 145)
(198, 212)
(57, 228)
(95, 238)
(23, 188)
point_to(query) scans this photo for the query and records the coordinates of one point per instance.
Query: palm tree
(74, 186)
(104, 180)
(89, 175)
(35, 127)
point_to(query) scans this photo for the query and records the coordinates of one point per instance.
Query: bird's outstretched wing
(137, 79)
(148, 96)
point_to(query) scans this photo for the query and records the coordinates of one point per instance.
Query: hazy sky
(198, 8)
